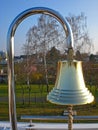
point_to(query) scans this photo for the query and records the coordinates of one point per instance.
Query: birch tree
(82, 40)
(42, 37)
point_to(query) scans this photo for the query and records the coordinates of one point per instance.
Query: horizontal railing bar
(58, 117)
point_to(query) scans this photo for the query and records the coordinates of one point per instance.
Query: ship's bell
(70, 88)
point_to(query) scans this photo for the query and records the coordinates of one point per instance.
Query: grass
(3, 90)
(41, 107)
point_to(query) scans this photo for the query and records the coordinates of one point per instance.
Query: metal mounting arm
(10, 51)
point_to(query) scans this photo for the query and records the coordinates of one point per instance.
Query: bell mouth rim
(71, 61)
(69, 104)
(72, 98)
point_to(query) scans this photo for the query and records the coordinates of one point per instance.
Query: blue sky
(9, 9)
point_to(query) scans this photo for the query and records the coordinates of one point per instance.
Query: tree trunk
(46, 74)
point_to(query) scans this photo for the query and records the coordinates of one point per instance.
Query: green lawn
(37, 106)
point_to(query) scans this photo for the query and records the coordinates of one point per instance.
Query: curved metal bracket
(10, 51)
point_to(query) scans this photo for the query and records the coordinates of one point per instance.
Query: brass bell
(70, 88)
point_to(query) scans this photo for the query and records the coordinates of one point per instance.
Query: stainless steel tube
(10, 51)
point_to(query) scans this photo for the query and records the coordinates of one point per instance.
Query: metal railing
(26, 117)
